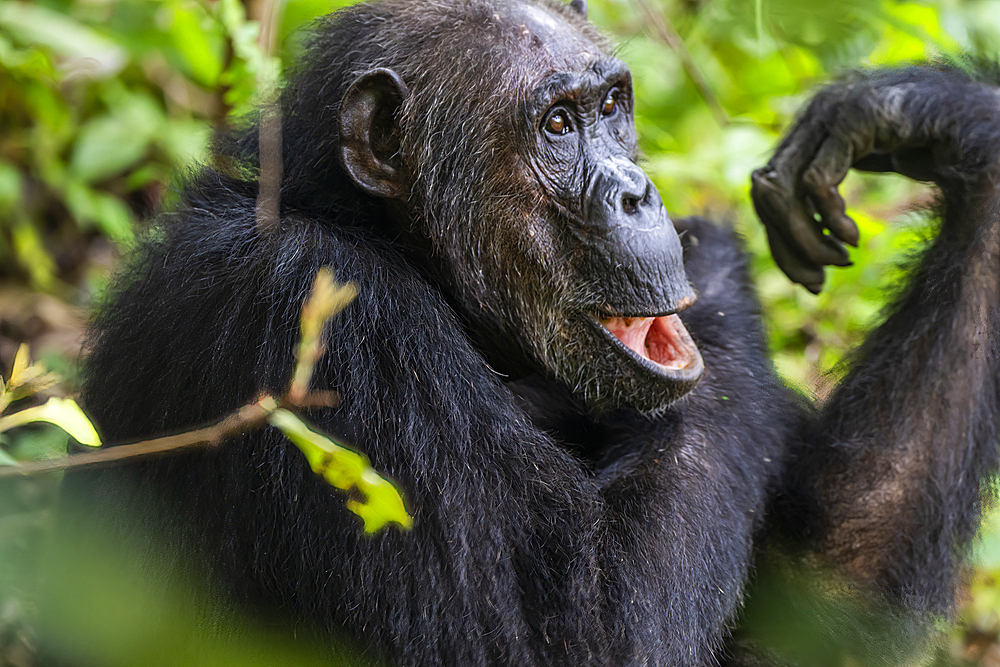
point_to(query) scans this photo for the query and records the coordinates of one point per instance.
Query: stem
(249, 417)
(669, 36)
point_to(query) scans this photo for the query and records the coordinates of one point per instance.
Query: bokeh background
(103, 103)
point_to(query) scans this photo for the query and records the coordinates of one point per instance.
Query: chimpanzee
(571, 389)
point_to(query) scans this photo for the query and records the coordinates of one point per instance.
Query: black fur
(545, 533)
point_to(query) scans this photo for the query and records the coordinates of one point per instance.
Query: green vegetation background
(104, 102)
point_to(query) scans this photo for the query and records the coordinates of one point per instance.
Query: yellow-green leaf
(383, 504)
(345, 469)
(19, 367)
(62, 412)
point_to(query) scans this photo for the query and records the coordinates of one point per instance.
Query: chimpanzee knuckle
(829, 100)
(816, 179)
(767, 183)
(765, 192)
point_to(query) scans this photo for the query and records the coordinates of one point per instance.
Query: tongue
(662, 340)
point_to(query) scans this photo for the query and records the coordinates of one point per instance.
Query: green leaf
(106, 146)
(6, 459)
(185, 141)
(32, 255)
(199, 49)
(11, 185)
(113, 217)
(31, 24)
(62, 412)
(111, 143)
(346, 469)
(38, 443)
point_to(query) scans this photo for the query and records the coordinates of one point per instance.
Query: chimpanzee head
(502, 134)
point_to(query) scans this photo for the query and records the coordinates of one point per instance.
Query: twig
(250, 416)
(269, 179)
(314, 399)
(326, 299)
(665, 31)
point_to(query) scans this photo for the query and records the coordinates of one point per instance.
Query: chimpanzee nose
(623, 195)
(632, 241)
(632, 198)
(632, 185)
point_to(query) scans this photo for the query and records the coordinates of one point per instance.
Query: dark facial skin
(581, 117)
(621, 241)
(590, 294)
(584, 147)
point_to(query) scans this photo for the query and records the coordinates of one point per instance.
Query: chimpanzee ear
(370, 136)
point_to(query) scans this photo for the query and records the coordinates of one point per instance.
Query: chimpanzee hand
(926, 123)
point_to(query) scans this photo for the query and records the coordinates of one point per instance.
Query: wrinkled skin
(602, 248)
(575, 398)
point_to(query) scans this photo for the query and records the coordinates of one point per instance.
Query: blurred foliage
(760, 61)
(102, 102)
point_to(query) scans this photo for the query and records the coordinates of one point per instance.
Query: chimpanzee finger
(783, 213)
(827, 171)
(796, 268)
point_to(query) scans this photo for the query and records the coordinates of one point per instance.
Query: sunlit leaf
(34, 24)
(20, 365)
(345, 469)
(201, 55)
(32, 255)
(25, 379)
(62, 412)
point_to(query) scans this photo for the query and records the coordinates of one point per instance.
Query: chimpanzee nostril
(630, 204)
(622, 191)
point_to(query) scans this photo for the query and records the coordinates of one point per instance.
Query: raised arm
(886, 481)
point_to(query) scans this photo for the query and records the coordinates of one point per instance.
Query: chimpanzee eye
(558, 123)
(610, 102)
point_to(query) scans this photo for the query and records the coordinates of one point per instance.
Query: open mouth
(660, 344)
(662, 341)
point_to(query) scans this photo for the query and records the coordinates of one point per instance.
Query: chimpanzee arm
(502, 556)
(887, 476)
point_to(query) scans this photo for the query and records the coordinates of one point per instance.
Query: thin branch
(269, 179)
(314, 399)
(665, 31)
(326, 299)
(247, 418)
